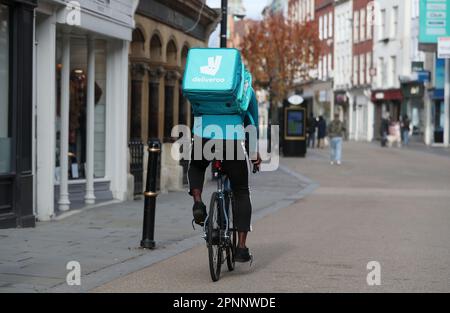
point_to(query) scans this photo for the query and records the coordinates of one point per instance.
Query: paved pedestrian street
(389, 206)
(105, 240)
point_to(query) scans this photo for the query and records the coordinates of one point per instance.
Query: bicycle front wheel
(213, 236)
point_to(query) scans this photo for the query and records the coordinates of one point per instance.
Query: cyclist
(236, 166)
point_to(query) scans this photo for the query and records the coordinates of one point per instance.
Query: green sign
(434, 20)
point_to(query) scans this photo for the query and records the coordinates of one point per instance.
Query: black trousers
(236, 167)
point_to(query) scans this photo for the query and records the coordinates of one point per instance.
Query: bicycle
(219, 230)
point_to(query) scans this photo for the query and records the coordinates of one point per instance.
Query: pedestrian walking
(321, 132)
(394, 134)
(336, 131)
(312, 126)
(384, 130)
(406, 128)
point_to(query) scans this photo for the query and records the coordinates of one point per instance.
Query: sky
(253, 10)
(253, 7)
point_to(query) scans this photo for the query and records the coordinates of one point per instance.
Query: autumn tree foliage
(279, 53)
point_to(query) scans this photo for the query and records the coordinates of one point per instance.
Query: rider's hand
(257, 161)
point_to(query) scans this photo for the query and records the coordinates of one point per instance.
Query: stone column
(64, 203)
(171, 94)
(45, 117)
(155, 75)
(89, 197)
(137, 76)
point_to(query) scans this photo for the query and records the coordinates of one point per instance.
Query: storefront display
(77, 111)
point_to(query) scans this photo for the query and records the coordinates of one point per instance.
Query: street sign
(434, 17)
(444, 48)
(424, 76)
(296, 100)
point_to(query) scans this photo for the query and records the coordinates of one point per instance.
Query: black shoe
(243, 255)
(199, 212)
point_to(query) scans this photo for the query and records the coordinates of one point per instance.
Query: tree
(279, 53)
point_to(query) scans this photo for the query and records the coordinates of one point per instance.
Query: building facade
(392, 57)
(16, 114)
(360, 105)
(323, 86)
(343, 40)
(165, 31)
(81, 66)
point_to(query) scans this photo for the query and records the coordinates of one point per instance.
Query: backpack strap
(250, 117)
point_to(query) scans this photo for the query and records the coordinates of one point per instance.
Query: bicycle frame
(223, 188)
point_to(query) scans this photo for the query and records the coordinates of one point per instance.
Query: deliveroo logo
(211, 70)
(213, 66)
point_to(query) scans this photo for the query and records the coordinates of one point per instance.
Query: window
(383, 24)
(393, 75)
(370, 21)
(320, 28)
(330, 24)
(325, 27)
(362, 68)
(394, 22)
(368, 67)
(5, 112)
(363, 25)
(355, 70)
(330, 64)
(381, 72)
(356, 26)
(78, 107)
(325, 68)
(320, 69)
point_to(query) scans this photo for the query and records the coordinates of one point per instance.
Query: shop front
(388, 103)
(342, 107)
(413, 107)
(437, 115)
(323, 100)
(81, 117)
(16, 107)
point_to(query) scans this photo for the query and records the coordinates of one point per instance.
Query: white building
(395, 49)
(81, 96)
(343, 51)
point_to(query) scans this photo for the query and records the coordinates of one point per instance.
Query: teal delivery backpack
(216, 82)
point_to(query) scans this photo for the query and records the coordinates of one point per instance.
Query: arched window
(171, 53)
(155, 48)
(184, 53)
(138, 41)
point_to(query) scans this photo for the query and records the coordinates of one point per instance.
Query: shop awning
(387, 95)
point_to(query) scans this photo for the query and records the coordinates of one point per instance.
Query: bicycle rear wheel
(213, 236)
(231, 247)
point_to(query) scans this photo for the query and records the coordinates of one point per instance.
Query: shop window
(78, 109)
(5, 107)
(153, 112)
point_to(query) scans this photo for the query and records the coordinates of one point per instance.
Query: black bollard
(154, 150)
